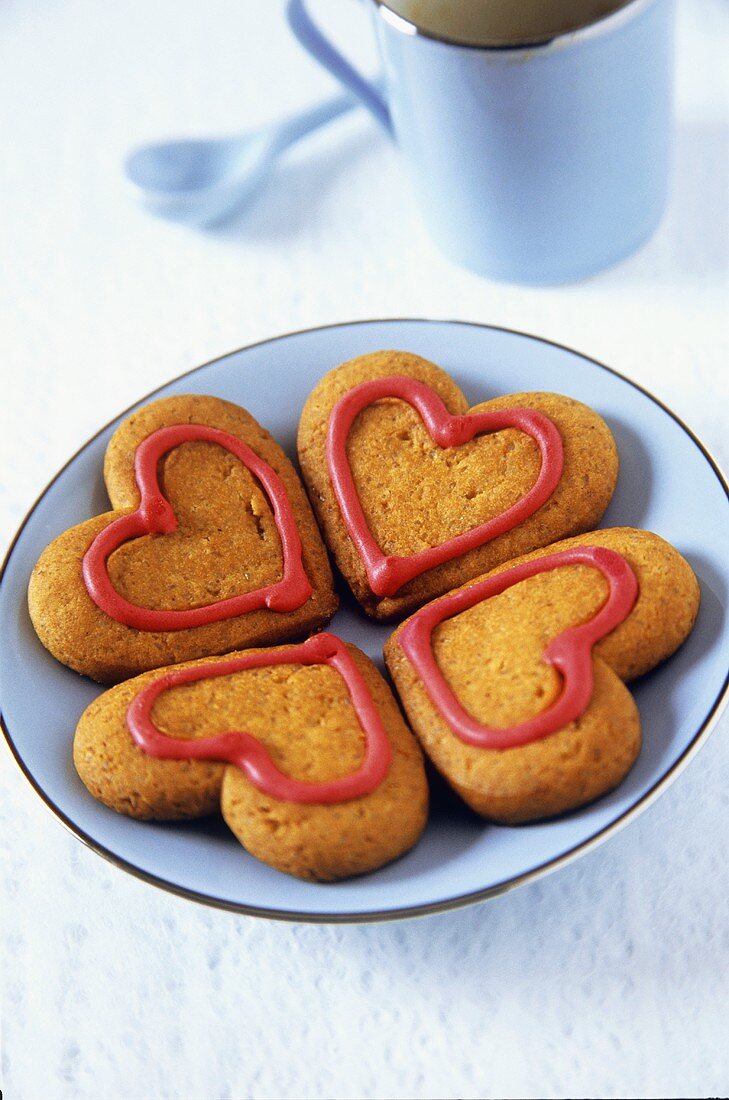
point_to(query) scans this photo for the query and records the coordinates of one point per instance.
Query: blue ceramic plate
(668, 483)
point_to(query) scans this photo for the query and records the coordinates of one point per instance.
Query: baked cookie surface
(314, 721)
(506, 655)
(546, 463)
(211, 546)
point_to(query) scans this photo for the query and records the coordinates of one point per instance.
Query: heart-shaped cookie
(388, 574)
(155, 516)
(303, 748)
(415, 493)
(514, 683)
(211, 546)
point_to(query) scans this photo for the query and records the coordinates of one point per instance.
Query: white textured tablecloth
(608, 978)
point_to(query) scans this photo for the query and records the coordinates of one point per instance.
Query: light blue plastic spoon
(201, 181)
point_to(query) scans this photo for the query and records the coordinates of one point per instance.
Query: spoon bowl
(200, 181)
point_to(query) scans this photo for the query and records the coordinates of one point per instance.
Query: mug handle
(314, 42)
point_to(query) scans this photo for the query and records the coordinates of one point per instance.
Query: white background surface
(606, 979)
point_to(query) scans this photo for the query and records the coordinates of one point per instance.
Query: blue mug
(535, 163)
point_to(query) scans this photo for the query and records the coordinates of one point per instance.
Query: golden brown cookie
(496, 717)
(328, 780)
(211, 546)
(410, 511)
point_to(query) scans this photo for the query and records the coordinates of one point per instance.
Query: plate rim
(403, 912)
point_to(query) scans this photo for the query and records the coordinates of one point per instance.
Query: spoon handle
(297, 126)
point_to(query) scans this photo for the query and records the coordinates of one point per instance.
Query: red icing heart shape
(570, 652)
(155, 516)
(244, 750)
(388, 573)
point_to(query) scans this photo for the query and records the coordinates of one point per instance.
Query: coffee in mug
(501, 22)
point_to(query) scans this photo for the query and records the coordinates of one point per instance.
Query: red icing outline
(245, 751)
(155, 516)
(387, 574)
(570, 652)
